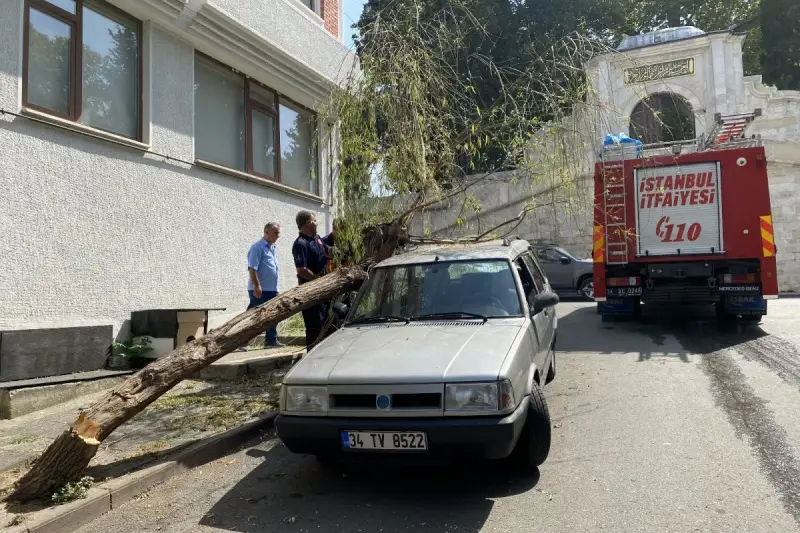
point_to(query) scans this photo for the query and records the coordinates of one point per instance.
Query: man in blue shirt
(263, 269)
(310, 258)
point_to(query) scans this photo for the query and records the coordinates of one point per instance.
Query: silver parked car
(443, 354)
(565, 271)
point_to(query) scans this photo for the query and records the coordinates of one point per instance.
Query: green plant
(133, 347)
(132, 350)
(76, 490)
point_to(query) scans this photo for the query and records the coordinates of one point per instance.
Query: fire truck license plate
(624, 291)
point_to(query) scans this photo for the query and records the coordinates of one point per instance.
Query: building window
(82, 62)
(245, 126)
(313, 5)
(297, 146)
(662, 117)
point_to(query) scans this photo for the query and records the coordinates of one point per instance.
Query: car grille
(430, 400)
(425, 399)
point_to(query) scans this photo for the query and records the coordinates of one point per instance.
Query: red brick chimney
(330, 13)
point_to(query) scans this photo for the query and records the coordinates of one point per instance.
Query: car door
(558, 273)
(540, 280)
(539, 329)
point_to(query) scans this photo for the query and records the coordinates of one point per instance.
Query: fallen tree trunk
(67, 457)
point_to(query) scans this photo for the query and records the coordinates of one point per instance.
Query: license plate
(384, 440)
(624, 291)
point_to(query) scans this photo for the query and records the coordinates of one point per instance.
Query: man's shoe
(276, 344)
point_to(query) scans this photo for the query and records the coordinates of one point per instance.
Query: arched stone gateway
(662, 117)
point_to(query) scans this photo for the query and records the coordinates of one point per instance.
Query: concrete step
(250, 363)
(25, 396)
(298, 339)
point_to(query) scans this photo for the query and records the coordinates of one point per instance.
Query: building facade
(146, 143)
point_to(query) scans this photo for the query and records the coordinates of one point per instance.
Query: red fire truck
(685, 223)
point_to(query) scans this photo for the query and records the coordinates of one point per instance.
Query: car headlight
(304, 399)
(494, 396)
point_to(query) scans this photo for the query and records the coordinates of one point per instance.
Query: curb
(111, 494)
(253, 367)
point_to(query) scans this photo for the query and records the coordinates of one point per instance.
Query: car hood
(418, 352)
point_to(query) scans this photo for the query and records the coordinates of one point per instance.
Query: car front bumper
(449, 438)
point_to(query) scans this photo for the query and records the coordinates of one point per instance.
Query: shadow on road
(286, 494)
(671, 332)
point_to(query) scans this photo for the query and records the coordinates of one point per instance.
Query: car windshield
(480, 288)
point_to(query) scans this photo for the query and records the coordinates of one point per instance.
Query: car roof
(508, 250)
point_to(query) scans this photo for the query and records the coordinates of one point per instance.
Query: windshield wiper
(380, 318)
(452, 314)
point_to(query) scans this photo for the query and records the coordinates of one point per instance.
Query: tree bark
(67, 457)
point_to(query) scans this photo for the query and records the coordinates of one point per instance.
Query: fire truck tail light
(632, 281)
(729, 279)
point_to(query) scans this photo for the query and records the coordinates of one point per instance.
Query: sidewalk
(192, 410)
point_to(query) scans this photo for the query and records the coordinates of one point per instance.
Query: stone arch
(663, 116)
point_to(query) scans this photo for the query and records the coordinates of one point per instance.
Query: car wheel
(534, 443)
(551, 372)
(586, 289)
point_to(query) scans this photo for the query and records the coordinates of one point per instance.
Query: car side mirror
(544, 300)
(339, 309)
(565, 260)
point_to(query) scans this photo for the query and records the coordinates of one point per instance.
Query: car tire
(586, 288)
(534, 443)
(551, 372)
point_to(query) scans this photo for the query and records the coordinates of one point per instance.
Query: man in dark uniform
(310, 259)
(338, 256)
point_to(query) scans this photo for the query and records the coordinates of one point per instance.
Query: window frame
(388, 282)
(557, 254)
(75, 22)
(537, 273)
(252, 105)
(316, 6)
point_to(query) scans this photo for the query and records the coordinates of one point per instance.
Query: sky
(352, 12)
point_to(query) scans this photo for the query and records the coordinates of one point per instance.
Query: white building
(145, 144)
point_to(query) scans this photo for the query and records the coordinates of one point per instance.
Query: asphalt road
(666, 425)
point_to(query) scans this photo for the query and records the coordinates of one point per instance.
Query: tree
(780, 25)
(406, 117)
(494, 44)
